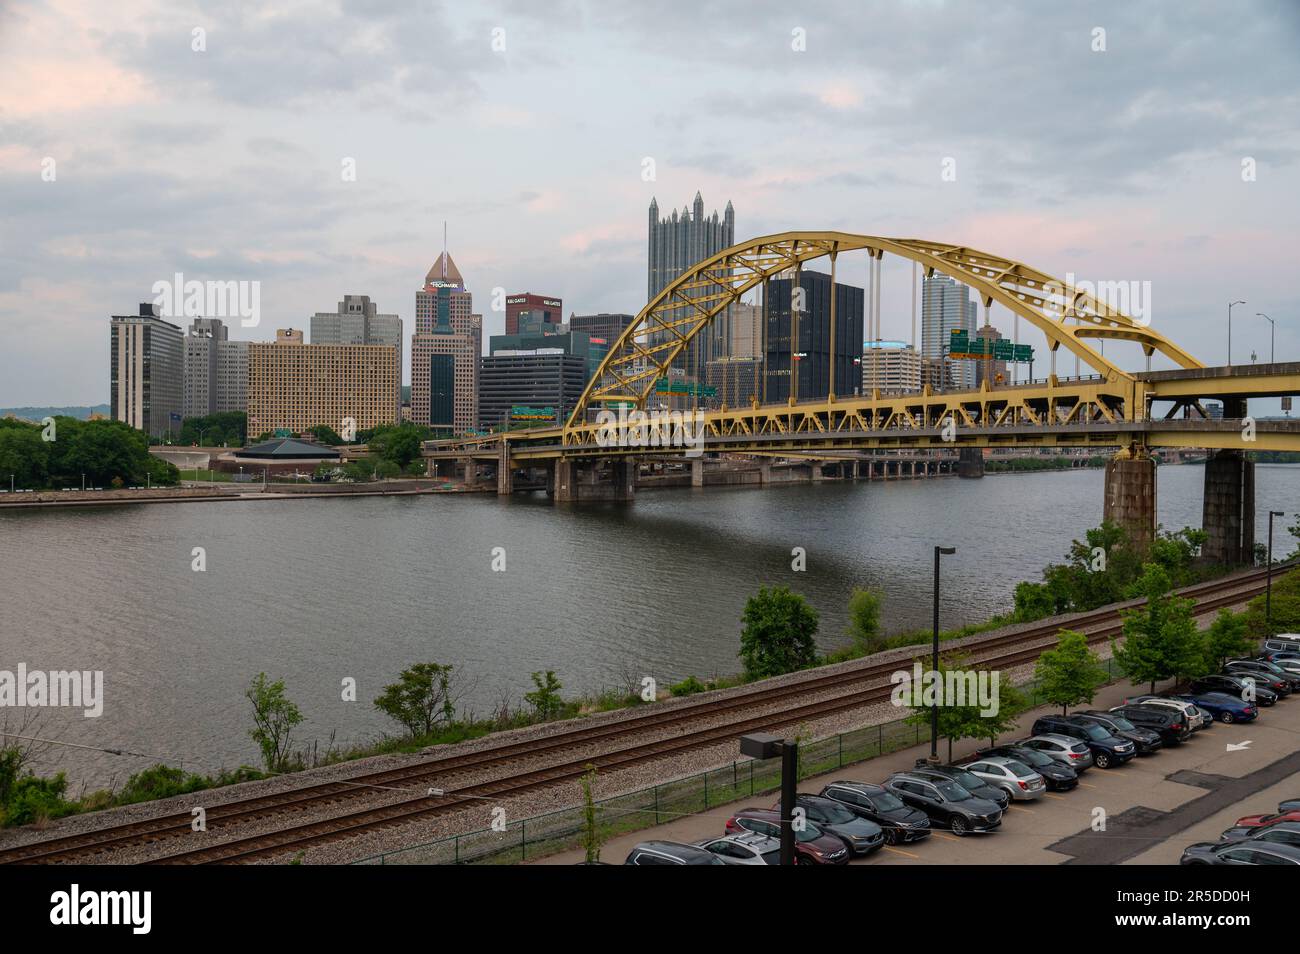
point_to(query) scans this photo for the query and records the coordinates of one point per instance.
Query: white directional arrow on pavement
(1238, 746)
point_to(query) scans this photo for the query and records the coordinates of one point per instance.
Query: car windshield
(838, 814)
(810, 833)
(952, 791)
(1096, 733)
(967, 780)
(884, 802)
(1033, 758)
(1021, 770)
(772, 857)
(1122, 724)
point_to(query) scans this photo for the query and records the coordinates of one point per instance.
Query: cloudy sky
(225, 163)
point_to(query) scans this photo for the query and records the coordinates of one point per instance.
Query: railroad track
(1098, 625)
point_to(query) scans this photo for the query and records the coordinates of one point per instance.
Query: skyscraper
(147, 371)
(802, 349)
(676, 243)
(947, 306)
(548, 309)
(357, 321)
(216, 369)
(445, 351)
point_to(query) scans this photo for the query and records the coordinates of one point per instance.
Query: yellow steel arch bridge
(1112, 406)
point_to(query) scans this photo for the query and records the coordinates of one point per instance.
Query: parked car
(957, 773)
(747, 848)
(1280, 656)
(1287, 662)
(1064, 749)
(670, 853)
(1265, 673)
(1240, 853)
(1194, 716)
(901, 823)
(1172, 726)
(860, 835)
(1017, 779)
(1283, 642)
(1106, 749)
(1224, 707)
(1249, 824)
(1243, 687)
(1289, 805)
(1145, 740)
(812, 846)
(946, 802)
(1283, 832)
(1058, 776)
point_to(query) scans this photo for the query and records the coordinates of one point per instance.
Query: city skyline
(1131, 172)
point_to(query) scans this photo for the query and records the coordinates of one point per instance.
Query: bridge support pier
(574, 481)
(970, 462)
(471, 471)
(505, 473)
(1228, 517)
(816, 467)
(1131, 496)
(697, 472)
(765, 472)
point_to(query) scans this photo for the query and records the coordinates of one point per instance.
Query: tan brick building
(445, 352)
(295, 386)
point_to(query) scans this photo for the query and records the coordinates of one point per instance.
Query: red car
(1250, 823)
(812, 846)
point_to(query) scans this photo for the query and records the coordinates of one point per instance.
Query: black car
(1173, 728)
(1146, 740)
(860, 835)
(1240, 853)
(1266, 674)
(1235, 686)
(1106, 749)
(1058, 776)
(946, 802)
(972, 783)
(670, 853)
(900, 822)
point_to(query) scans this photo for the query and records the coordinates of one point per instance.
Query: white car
(1283, 642)
(748, 848)
(1016, 778)
(1195, 719)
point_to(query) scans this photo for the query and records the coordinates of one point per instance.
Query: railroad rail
(440, 772)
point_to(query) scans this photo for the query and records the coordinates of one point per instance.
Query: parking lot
(1153, 807)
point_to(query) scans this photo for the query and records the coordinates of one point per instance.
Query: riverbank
(227, 492)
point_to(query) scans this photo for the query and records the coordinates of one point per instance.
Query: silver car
(748, 848)
(1194, 717)
(1021, 782)
(1064, 749)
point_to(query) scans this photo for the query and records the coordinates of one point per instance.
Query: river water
(316, 591)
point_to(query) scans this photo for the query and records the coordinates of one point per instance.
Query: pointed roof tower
(444, 273)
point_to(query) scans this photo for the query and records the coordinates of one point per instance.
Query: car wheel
(1226, 717)
(891, 836)
(1102, 760)
(803, 860)
(958, 825)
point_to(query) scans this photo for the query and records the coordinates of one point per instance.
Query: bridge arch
(687, 306)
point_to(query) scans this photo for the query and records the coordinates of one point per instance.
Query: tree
(274, 718)
(864, 620)
(401, 444)
(24, 456)
(1227, 638)
(956, 721)
(779, 633)
(420, 699)
(387, 469)
(324, 434)
(591, 833)
(1160, 639)
(1069, 674)
(545, 699)
(1012, 704)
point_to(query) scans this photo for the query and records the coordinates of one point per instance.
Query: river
(316, 591)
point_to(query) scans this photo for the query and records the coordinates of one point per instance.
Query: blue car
(1226, 708)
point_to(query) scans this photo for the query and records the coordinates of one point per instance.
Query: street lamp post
(934, 663)
(1272, 333)
(1230, 304)
(1268, 575)
(763, 745)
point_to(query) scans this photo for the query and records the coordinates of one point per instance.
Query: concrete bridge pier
(470, 468)
(1228, 517)
(1131, 495)
(576, 481)
(817, 474)
(765, 472)
(697, 472)
(505, 473)
(970, 462)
